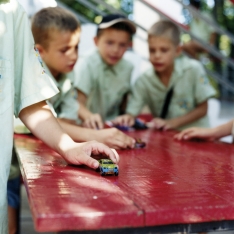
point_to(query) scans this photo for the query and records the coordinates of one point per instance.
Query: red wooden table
(168, 184)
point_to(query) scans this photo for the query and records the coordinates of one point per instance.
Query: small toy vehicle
(139, 143)
(106, 166)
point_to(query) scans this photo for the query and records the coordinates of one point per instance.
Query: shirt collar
(61, 79)
(107, 67)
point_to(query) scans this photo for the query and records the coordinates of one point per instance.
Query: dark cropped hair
(118, 26)
(167, 29)
(52, 19)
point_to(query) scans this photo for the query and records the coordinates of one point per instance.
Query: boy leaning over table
(23, 88)
(102, 76)
(56, 32)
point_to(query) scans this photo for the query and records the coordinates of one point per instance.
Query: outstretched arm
(206, 133)
(174, 123)
(41, 122)
(112, 137)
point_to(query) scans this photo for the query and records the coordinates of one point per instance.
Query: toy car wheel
(102, 173)
(116, 173)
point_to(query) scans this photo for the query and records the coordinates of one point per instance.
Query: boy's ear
(178, 50)
(95, 39)
(40, 49)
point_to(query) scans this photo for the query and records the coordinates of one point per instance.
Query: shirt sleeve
(137, 98)
(32, 84)
(203, 89)
(83, 76)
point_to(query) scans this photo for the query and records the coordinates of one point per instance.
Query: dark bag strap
(166, 103)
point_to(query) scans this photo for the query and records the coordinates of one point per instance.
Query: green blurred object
(124, 6)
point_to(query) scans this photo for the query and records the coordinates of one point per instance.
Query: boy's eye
(109, 42)
(63, 50)
(164, 50)
(123, 45)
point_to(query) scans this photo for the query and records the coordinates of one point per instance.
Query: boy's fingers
(114, 156)
(90, 162)
(99, 124)
(99, 148)
(93, 124)
(131, 122)
(150, 124)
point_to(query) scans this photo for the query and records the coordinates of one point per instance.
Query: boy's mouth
(114, 58)
(71, 66)
(158, 65)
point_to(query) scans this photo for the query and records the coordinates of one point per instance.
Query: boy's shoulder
(124, 64)
(186, 63)
(93, 58)
(147, 74)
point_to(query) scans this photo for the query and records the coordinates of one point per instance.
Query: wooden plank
(167, 182)
(65, 197)
(180, 182)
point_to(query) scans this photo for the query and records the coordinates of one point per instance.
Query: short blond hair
(52, 19)
(166, 29)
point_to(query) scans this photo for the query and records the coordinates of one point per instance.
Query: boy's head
(196, 4)
(164, 45)
(56, 33)
(114, 35)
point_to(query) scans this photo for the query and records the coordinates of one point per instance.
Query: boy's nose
(157, 54)
(74, 56)
(115, 49)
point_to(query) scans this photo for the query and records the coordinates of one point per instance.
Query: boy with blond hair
(57, 33)
(176, 89)
(103, 75)
(24, 87)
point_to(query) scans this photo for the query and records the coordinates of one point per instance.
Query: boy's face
(112, 44)
(62, 52)
(162, 53)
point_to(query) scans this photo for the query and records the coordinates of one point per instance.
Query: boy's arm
(197, 113)
(41, 122)
(112, 137)
(89, 119)
(206, 133)
(135, 102)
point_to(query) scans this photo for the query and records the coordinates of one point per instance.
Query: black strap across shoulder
(166, 103)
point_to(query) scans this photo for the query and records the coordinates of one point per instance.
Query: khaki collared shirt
(65, 103)
(104, 85)
(23, 82)
(191, 87)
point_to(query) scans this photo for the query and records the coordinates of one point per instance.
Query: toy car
(139, 143)
(106, 166)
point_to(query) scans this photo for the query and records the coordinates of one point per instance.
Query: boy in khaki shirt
(57, 33)
(181, 77)
(24, 87)
(102, 77)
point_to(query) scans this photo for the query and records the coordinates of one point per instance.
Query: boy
(207, 133)
(23, 88)
(56, 33)
(103, 76)
(175, 89)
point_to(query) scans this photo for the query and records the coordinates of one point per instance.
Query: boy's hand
(124, 120)
(94, 122)
(115, 138)
(161, 124)
(203, 133)
(80, 153)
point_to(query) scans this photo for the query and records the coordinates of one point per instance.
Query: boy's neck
(165, 76)
(55, 73)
